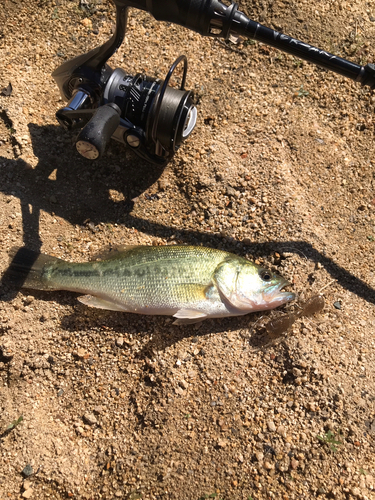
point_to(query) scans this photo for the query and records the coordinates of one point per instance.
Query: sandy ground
(280, 168)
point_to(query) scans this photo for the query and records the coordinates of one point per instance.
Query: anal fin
(90, 300)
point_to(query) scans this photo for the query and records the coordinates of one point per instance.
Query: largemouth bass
(187, 282)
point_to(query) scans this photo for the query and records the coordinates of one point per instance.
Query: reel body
(145, 114)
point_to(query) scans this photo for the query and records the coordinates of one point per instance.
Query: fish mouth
(275, 294)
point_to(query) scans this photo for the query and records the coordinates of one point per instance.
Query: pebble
(28, 300)
(222, 443)
(294, 463)
(356, 492)
(183, 384)
(26, 484)
(163, 184)
(268, 465)
(281, 431)
(120, 342)
(337, 304)
(28, 493)
(231, 192)
(86, 22)
(28, 470)
(7, 349)
(271, 426)
(90, 419)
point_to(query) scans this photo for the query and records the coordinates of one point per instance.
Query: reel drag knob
(94, 136)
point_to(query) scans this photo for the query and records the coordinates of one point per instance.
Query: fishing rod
(146, 114)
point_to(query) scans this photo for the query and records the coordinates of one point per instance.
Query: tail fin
(26, 269)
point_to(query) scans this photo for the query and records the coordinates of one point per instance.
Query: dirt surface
(280, 168)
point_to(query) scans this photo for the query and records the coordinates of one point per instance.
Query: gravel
(280, 168)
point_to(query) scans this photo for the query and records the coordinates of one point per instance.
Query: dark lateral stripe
(78, 273)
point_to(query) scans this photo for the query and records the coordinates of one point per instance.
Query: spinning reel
(147, 114)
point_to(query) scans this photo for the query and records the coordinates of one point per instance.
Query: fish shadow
(156, 333)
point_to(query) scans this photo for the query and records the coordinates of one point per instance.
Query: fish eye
(265, 275)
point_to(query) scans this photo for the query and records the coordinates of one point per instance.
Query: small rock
(271, 426)
(120, 342)
(231, 192)
(81, 352)
(356, 492)
(28, 300)
(90, 419)
(222, 443)
(281, 431)
(183, 384)
(26, 484)
(303, 436)
(7, 349)
(163, 184)
(370, 480)
(28, 493)
(27, 471)
(294, 463)
(60, 392)
(87, 23)
(268, 465)
(337, 304)
(259, 456)
(98, 409)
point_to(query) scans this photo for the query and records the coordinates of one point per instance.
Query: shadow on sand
(68, 186)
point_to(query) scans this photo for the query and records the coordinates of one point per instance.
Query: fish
(190, 283)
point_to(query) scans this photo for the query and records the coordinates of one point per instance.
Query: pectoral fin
(188, 317)
(90, 300)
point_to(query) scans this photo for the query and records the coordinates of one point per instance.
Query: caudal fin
(27, 269)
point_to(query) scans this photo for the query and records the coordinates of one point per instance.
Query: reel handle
(94, 137)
